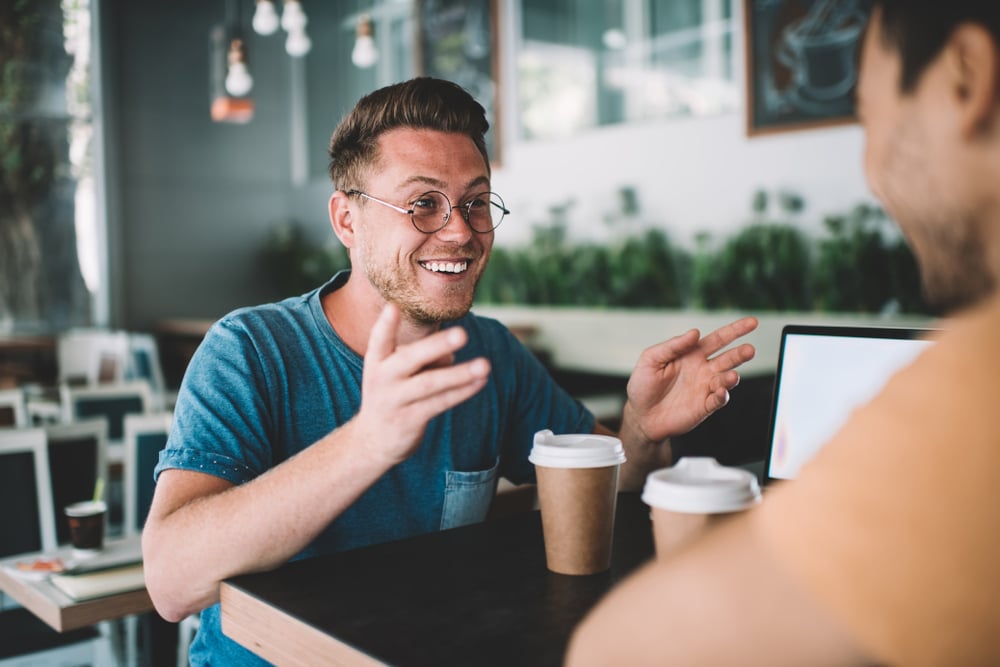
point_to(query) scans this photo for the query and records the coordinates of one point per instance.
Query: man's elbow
(173, 597)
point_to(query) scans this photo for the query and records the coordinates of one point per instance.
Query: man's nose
(456, 225)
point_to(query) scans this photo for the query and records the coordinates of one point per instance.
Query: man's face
(431, 277)
(916, 162)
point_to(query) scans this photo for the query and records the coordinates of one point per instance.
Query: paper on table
(98, 584)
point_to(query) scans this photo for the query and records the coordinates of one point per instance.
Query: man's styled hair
(919, 29)
(420, 103)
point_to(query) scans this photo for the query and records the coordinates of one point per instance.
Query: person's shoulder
(968, 342)
(267, 316)
(487, 328)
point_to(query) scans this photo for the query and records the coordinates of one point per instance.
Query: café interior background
(126, 204)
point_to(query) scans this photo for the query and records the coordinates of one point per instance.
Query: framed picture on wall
(457, 41)
(801, 62)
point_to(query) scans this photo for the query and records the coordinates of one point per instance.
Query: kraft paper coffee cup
(692, 495)
(86, 526)
(577, 493)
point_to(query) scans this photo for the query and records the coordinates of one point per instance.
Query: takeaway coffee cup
(86, 526)
(693, 494)
(577, 492)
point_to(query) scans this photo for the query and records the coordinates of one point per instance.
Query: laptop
(823, 374)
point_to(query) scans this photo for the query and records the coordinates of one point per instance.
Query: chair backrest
(13, 408)
(145, 436)
(112, 401)
(144, 364)
(77, 458)
(26, 492)
(92, 356)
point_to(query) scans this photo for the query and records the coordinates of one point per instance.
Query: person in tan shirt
(885, 549)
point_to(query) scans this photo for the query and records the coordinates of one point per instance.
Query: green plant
(862, 268)
(764, 266)
(768, 265)
(639, 270)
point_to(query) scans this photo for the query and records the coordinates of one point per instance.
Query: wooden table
(474, 595)
(59, 610)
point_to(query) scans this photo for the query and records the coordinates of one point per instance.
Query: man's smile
(446, 267)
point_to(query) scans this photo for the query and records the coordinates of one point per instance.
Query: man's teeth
(446, 267)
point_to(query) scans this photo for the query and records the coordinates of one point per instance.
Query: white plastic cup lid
(576, 450)
(86, 508)
(700, 485)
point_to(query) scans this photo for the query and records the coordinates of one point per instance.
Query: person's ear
(972, 55)
(341, 219)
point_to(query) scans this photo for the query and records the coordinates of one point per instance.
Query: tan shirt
(895, 525)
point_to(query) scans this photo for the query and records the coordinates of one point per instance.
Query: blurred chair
(144, 364)
(13, 408)
(92, 356)
(25, 484)
(186, 631)
(112, 401)
(145, 436)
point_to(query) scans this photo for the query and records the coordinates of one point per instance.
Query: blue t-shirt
(269, 381)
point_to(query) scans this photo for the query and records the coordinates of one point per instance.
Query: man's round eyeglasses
(431, 211)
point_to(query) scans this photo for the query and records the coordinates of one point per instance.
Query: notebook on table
(823, 374)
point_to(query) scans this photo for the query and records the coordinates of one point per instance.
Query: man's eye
(425, 203)
(477, 204)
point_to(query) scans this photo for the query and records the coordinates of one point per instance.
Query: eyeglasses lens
(482, 213)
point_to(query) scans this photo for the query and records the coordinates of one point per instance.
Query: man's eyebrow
(437, 183)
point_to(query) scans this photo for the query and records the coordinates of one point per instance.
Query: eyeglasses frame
(464, 210)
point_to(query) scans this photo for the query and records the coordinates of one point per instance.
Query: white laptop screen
(823, 374)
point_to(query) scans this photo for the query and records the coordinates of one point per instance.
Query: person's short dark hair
(420, 103)
(919, 29)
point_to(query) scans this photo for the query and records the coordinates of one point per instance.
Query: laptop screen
(823, 373)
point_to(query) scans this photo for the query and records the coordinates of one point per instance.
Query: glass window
(582, 65)
(49, 266)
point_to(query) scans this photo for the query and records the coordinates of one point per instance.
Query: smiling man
(377, 406)
(884, 550)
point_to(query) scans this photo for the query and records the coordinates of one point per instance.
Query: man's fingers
(716, 400)
(725, 335)
(430, 384)
(451, 394)
(430, 352)
(669, 350)
(382, 340)
(733, 358)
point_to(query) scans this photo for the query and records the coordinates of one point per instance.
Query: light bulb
(293, 18)
(238, 79)
(298, 43)
(364, 53)
(265, 18)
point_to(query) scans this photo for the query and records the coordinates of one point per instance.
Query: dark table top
(478, 595)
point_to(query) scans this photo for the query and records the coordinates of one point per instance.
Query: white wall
(691, 175)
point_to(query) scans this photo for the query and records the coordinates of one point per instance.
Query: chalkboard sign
(457, 41)
(802, 62)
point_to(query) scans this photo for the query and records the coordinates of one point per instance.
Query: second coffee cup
(577, 493)
(693, 494)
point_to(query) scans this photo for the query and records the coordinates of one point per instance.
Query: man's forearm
(204, 531)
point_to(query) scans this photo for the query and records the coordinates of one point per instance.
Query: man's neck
(353, 309)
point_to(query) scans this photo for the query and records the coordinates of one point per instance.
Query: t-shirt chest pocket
(467, 496)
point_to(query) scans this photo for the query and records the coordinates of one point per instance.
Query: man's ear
(341, 219)
(972, 55)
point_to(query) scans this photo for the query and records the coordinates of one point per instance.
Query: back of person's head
(919, 29)
(420, 103)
